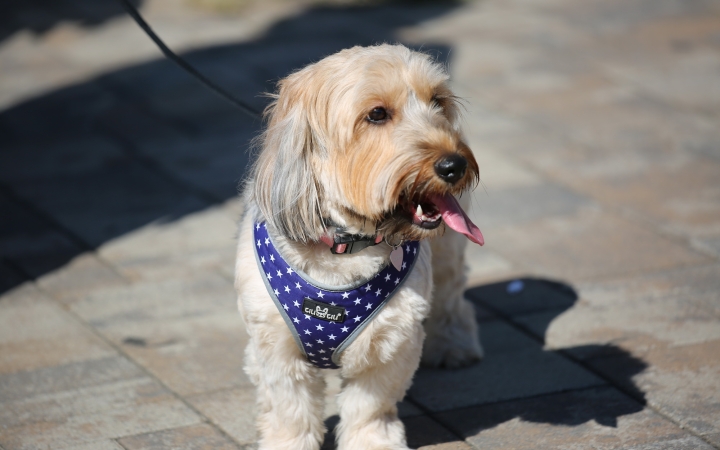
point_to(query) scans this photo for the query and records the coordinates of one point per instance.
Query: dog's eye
(377, 115)
(436, 101)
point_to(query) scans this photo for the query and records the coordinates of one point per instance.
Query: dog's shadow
(518, 378)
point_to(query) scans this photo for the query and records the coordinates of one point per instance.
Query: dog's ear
(286, 188)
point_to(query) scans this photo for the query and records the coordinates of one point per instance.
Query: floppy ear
(286, 188)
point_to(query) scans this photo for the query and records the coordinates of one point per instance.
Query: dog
(356, 181)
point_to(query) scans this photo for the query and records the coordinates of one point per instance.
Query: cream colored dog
(365, 142)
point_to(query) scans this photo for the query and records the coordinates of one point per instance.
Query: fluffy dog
(365, 142)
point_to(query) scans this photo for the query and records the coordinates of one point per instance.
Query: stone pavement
(595, 125)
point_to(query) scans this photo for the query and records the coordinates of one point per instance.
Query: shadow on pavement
(518, 379)
(39, 16)
(148, 144)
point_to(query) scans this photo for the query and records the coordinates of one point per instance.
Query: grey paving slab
(66, 377)
(231, 410)
(591, 244)
(194, 437)
(600, 418)
(36, 333)
(87, 414)
(80, 276)
(514, 367)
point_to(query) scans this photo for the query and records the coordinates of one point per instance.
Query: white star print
(344, 329)
(307, 344)
(272, 257)
(333, 348)
(258, 243)
(285, 306)
(296, 320)
(320, 341)
(262, 259)
(397, 280)
(297, 285)
(357, 318)
(345, 295)
(311, 354)
(296, 304)
(325, 359)
(327, 364)
(368, 306)
(307, 331)
(257, 226)
(267, 241)
(404, 266)
(332, 337)
(287, 288)
(265, 225)
(319, 327)
(289, 271)
(321, 351)
(407, 248)
(333, 303)
(378, 292)
(307, 316)
(368, 287)
(279, 273)
(357, 302)
(387, 277)
(269, 276)
(415, 251)
(276, 292)
(320, 294)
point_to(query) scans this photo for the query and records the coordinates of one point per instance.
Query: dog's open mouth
(429, 212)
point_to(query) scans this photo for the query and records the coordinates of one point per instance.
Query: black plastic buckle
(355, 243)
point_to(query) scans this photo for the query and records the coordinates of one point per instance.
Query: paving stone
(35, 333)
(424, 432)
(599, 418)
(684, 199)
(96, 445)
(519, 296)
(87, 414)
(232, 410)
(38, 160)
(29, 242)
(194, 437)
(76, 375)
(514, 367)
(79, 277)
(9, 277)
(203, 295)
(103, 204)
(524, 204)
(158, 251)
(590, 244)
(189, 356)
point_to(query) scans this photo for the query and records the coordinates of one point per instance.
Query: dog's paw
(451, 348)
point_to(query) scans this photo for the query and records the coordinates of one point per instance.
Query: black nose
(451, 168)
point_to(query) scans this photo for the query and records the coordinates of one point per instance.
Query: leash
(135, 14)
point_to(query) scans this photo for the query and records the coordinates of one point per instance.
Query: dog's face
(367, 139)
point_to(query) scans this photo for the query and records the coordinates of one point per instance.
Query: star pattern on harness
(294, 294)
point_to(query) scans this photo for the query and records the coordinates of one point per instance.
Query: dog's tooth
(419, 211)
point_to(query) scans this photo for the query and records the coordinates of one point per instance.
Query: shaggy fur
(324, 164)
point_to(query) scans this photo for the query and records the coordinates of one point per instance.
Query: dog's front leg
(368, 401)
(290, 396)
(452, 331)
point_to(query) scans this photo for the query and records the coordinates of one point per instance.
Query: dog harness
(325, 320)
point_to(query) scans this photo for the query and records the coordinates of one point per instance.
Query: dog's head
(367, 139)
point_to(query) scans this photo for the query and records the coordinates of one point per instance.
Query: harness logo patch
(323, 311)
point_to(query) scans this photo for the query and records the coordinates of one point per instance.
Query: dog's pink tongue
(455, 217)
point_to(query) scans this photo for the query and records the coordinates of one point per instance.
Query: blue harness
(325, 320)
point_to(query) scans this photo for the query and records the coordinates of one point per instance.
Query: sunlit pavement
(595, 125)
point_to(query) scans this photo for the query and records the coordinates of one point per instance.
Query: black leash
(135, 14)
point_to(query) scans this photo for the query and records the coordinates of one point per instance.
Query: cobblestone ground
(595, 125)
